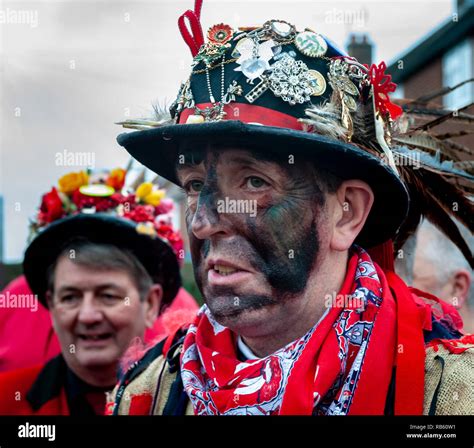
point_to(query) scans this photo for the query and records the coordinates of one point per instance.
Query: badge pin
(311, 44)
(317, 83)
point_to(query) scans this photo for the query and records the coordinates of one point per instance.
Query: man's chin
(97, 359)
(234, 311)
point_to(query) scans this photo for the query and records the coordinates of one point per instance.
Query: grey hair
(104, 257)
(444, 254)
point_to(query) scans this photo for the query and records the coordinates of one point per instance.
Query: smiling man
(303, 311)
(100, 300)
(104, 278)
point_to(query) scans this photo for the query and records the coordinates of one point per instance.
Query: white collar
(245, 350)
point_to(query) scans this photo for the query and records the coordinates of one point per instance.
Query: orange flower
(116, 179)
(220, 34)
(71, 182)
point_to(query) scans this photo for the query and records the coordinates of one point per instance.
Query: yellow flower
(155, 197)
(70, 182)
(144, 190)
(147, 194)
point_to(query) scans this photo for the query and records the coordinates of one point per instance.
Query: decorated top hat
(279, 89)
(98, 208)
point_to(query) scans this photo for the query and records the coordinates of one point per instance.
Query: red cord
(195, 38)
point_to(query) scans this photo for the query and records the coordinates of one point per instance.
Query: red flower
(165, 206)
(220, 34)
(166, 232)
(101, 204)
(51, 207)
(383, 85)
(140, 213)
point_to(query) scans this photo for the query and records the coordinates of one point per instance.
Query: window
(457, 67)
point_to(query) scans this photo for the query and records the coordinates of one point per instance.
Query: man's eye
(110, 297)
(256, 182)
(70, 298)
(194, 186)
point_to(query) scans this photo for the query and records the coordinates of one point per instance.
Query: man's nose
(89, 312)
(206, 220)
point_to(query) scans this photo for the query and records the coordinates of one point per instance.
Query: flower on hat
(72, 181)
(116, 179)
(51, 207)
(147, 193)
(147, 205)
(383, 85)
(220, 34)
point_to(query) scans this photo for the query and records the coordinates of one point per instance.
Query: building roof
(433, 45)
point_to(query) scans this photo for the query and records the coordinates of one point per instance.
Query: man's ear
(153, 304)
(461, 284)
(353, 201)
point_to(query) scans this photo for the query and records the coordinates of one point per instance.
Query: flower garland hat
(99, 208)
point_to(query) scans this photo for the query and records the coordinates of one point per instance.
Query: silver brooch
(292, 81)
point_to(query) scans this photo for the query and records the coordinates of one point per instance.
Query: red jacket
(26, 335)
(25, 392)
(36, 343)
(52, 389)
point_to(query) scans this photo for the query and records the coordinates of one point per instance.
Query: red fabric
(433, 306)
(181, 311)
(383, 255)
(140, 404)
(14, 387)
(352, 346)
(410, 361)
(250, 113)
(26, 337)
(455, 346)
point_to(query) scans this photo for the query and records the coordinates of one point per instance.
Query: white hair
(443, 253)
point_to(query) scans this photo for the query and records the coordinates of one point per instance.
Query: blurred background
(70, 69)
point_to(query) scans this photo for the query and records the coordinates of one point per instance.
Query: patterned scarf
(343, 365)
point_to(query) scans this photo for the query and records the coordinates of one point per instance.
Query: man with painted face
(294, 199)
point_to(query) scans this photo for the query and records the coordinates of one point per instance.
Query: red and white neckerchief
(343, 365)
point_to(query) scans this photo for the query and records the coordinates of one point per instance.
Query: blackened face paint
(277, 247)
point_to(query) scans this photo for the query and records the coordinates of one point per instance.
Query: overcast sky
(79, 66)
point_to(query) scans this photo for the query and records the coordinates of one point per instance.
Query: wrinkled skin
(277, 252)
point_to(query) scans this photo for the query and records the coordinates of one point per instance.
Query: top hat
(279, 89)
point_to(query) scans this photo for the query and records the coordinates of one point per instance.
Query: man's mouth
(94, 337)
(224, 270)
(220, 272)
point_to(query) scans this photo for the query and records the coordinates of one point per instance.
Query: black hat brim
(158, 149)
(155, 254)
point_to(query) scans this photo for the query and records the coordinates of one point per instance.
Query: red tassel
(195, 38)
(410, 358)
(383, 255)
